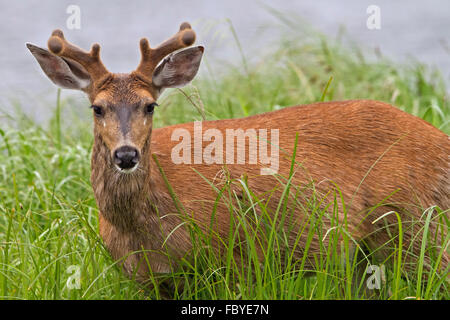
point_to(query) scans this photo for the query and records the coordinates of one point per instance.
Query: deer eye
(150, 108)
(98, 111)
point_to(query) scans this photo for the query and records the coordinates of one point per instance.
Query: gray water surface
(418, 29)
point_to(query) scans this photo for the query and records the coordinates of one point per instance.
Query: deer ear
(64, 73)
(178, 69)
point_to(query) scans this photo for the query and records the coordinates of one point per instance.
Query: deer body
(366, 150)
(339, 141)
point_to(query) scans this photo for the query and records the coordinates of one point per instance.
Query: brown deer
(381, 158)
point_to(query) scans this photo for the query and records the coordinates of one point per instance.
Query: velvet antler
(151, 57)
(58, 45)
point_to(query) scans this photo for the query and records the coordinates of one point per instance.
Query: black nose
(126, 157)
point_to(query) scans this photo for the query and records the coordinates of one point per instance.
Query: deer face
(122, 104)
(123, 114)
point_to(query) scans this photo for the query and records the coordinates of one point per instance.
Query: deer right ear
(64, 73)
(178, 69)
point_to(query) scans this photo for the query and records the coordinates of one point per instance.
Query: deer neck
(124, 199)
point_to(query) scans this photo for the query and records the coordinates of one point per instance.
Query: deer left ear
(64, 73)
(178, 69)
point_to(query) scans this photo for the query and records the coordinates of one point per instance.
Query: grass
(48, 216)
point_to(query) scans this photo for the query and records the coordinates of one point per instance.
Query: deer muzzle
(126, 158)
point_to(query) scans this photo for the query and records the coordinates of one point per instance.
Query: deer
(371, 150)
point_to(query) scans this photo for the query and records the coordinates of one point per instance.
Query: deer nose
(126, 157)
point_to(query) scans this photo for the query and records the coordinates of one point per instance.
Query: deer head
(122, 104)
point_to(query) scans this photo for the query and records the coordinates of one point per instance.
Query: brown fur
(367, 150)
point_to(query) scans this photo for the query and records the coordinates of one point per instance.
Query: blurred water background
(410, 30)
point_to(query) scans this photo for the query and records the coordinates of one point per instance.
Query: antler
(151, 57)
(58, 45)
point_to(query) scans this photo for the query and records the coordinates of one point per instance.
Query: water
(416, 28)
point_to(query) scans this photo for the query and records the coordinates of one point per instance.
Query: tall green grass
(48, 216)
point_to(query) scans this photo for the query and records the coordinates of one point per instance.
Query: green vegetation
(48, 216)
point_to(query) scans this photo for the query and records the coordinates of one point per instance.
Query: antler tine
(151, 57)
(91, 61)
